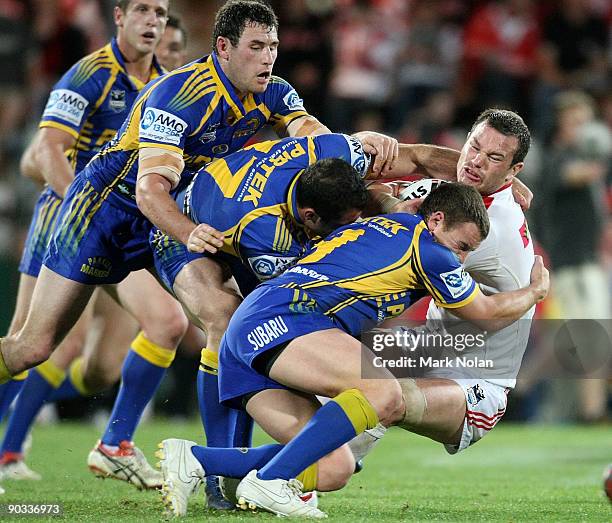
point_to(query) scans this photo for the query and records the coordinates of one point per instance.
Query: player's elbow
(146, 194)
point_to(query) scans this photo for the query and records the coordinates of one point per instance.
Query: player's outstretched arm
(49, 158)
(497, 311)
(429, 161)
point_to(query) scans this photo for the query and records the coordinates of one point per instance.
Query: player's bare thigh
(206, 290)
(282, 414)
(444, 414)
(73, 344)
(328, 362)
(57, 303)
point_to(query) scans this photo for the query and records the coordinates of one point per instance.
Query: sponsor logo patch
(161, 126)
(457, 281)
(359, 159)
(293, 101)
(266, 267)
(66, 105)
(267, 332)
(97, 266)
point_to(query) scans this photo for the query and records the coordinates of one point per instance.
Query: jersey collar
(488, 199)
(227, 89)
(156, 69)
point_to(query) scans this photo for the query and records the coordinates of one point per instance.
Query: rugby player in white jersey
(457, 407)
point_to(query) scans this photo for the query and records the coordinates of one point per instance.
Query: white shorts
(486, 404)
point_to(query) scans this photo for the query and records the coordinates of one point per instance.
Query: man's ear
(514, 170)
(435, 220)
(223, 45)
(118, 16)
(310, 217)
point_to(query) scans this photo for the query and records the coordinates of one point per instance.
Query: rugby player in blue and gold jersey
(294, 337)
(85, 109)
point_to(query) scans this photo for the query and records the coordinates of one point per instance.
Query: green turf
(517, 473)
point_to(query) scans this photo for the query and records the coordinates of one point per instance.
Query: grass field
(517, 473)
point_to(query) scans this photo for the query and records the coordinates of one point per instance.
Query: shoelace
(295, 487)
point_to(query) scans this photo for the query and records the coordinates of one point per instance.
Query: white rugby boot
(279, 496)
(126, 463)
(228, 488)
(17, 470)
(182, 474)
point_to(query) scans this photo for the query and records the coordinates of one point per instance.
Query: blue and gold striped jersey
(91, 101)
(369, 271)
(250, 196)
(193, 111)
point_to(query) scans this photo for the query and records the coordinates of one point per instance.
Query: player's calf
(334, 471)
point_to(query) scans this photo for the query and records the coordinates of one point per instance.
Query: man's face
(317, 227)
(461, 238)
(249, 65)
(142, 24)
(171, 49)
(486, 159)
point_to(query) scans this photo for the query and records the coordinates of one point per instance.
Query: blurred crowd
(420, 70)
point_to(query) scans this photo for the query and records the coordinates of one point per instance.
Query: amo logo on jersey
(161, 126)
(65, 105)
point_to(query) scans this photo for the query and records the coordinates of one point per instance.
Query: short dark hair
(509, 124)
(234, 16)
(460, 204)
(331, 187)
(176, 23)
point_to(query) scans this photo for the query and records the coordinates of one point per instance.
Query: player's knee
(388, 402)
(31, 358)
(166, 328)
(216, 319)
(335, 469)
(415, 404)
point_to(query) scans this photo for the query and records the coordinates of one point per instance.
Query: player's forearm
(154, 201)
(28, 168)
(306, 126)
(51, 163)
(505, 308)
(431, 161)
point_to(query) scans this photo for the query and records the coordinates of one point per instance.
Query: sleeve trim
(60, 126)
(144, 145)
(462, 303)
